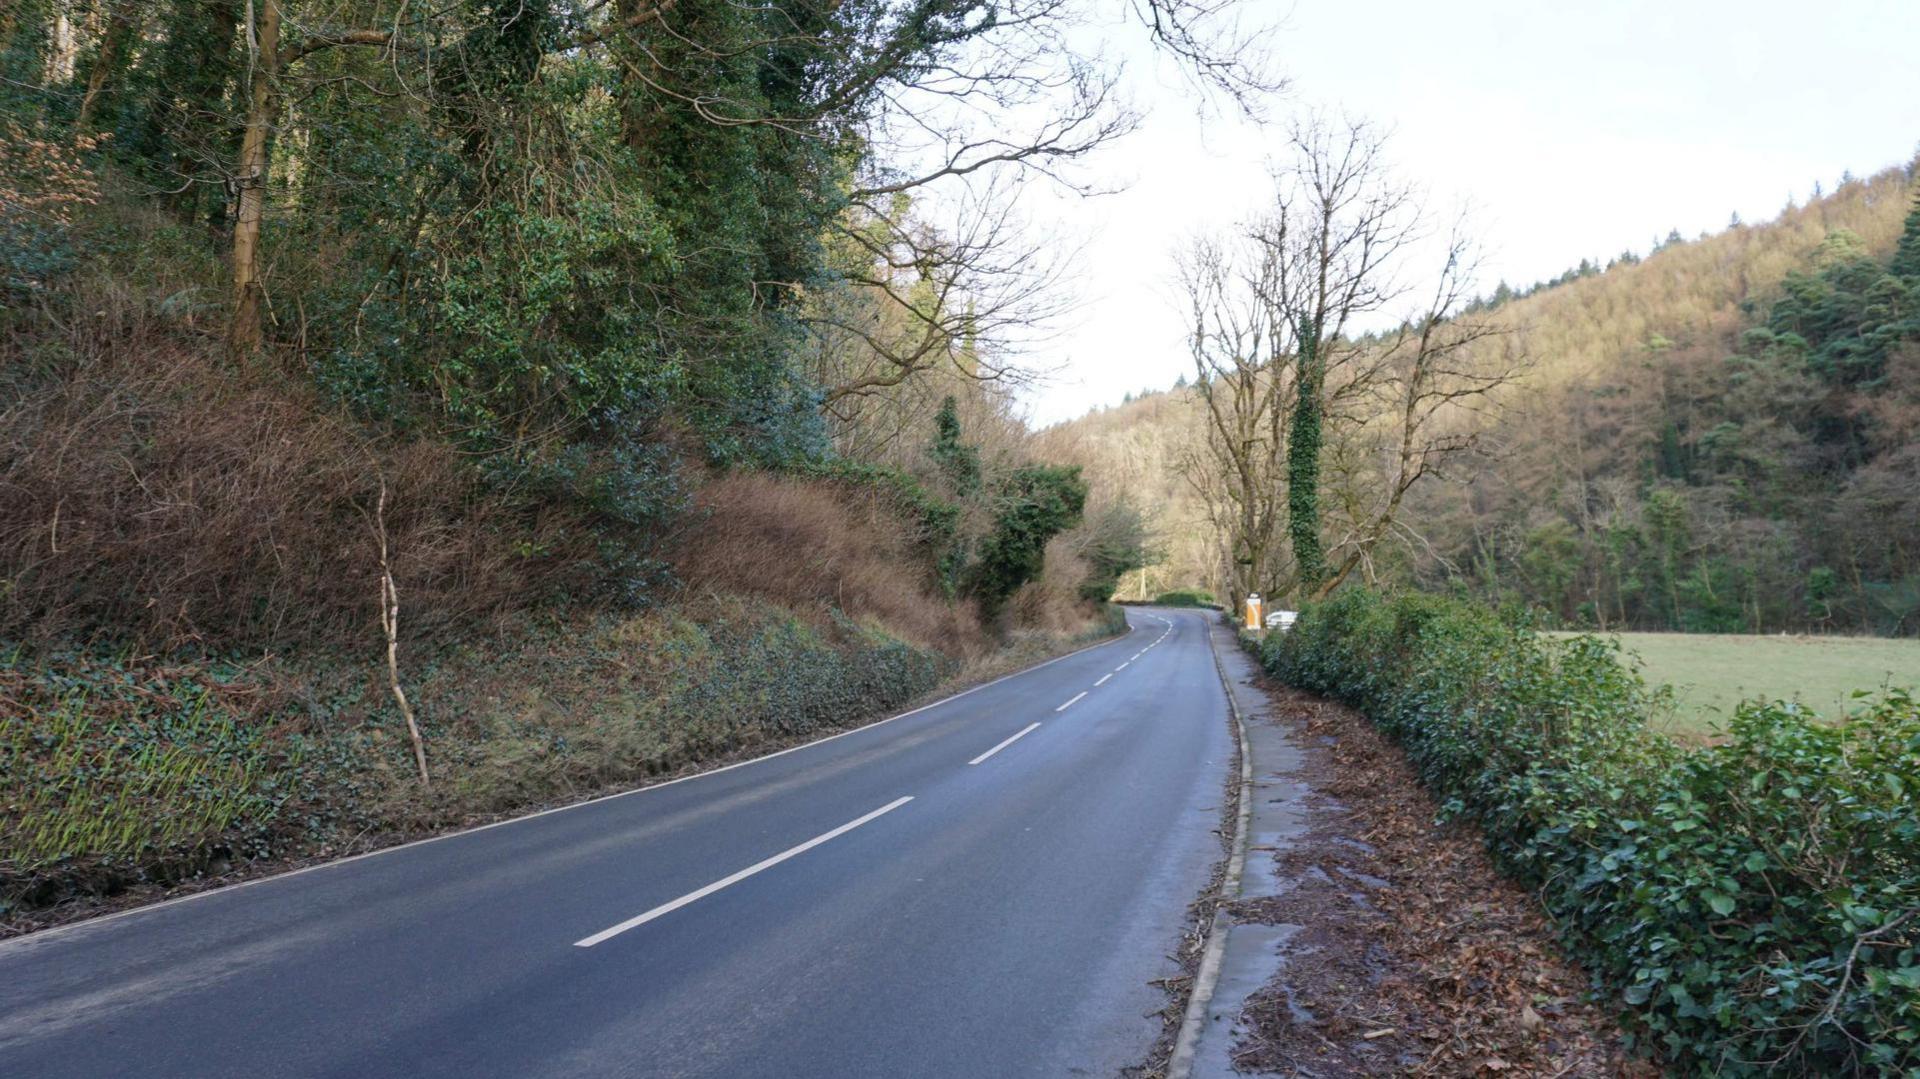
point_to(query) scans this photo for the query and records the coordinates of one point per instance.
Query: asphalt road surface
(984, 887)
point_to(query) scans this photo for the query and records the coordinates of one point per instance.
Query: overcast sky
(1575, 130)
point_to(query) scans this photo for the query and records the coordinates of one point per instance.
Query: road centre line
(1069, 704)
(1123, 667)
(1028, 729)
(727, 881)
(1103, 679)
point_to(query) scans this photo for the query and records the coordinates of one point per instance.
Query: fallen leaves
(1413, 955)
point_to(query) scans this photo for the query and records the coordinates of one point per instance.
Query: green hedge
(1185, 598)
(1752, 906)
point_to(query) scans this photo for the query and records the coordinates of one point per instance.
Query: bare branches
(1083, 117)
(1316, 417)
(390, 626)
(1245, 383)
(1430, 383)
(1214, 49)
(915, 299)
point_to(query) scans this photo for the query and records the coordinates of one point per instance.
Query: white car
(1281, 620)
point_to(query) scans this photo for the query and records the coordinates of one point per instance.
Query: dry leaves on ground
(1409, 953)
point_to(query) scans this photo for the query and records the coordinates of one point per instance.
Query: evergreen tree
(1906, 257)
(1037, 504)
(958, 462)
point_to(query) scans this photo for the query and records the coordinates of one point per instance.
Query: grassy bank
(1751, 906)
(128, 774)
(1712, 673)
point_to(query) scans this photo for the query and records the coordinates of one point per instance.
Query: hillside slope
(1644, 526)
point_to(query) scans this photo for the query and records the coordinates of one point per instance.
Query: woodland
(415, 414)
(1720, 435)
(409, 412)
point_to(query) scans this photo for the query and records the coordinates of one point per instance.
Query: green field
(1711, 673)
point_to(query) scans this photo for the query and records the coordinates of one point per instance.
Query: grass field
(1711, 673)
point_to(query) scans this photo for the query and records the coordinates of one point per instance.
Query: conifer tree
(1906, 257)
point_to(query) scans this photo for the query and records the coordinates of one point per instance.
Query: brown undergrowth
(152, 491)
(1410, 954)
(817, 546)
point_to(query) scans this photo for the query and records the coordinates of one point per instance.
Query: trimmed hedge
(1753, 906)
(1185, 597)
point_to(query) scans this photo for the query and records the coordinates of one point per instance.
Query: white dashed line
(723, 882)
(1069, 704)
(1023, 733)
(1103, 680)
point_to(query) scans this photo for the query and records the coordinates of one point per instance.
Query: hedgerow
(1752, 906)
(1186, 597)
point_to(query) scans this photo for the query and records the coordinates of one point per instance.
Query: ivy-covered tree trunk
(1303, 469)
(109, 60)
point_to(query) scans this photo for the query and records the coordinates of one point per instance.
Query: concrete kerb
(1207, 978)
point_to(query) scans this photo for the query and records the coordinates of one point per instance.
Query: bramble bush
(1753, 905)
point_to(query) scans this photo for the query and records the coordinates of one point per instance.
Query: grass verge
(1711, 674)
(129, 777)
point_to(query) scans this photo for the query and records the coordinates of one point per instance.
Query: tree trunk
(114, 40)
(245, 333)
(1303, 471)
(64, 49)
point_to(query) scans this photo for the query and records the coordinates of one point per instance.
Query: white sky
(1575, 130)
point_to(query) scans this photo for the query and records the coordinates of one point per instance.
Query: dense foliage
(1753, 905)
(590, 247)
(1754, 481)
(1036, 503)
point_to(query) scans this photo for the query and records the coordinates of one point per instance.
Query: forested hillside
(413, 412)
(1721, 435)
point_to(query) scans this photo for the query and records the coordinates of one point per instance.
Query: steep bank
(133, 777)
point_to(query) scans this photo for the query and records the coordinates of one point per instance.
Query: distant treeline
(1756, 477)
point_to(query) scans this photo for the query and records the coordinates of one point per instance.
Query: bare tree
(912, 298)
(1244, 386)
(1432, 391)
(1303, 400)
(1339, 227)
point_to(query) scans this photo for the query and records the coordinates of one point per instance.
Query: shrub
(1036, 503)
(1113, 543)
(150, 491)
(43, 184)
(1755, 905)
(1185, 598)
(218, 760)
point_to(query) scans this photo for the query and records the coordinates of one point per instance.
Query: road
(984, 887)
